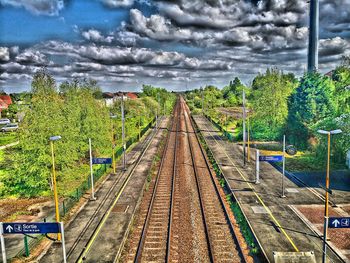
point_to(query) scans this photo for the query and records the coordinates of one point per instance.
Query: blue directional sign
(31, 228)
(339, 222)
(101, 160)
(271, 158)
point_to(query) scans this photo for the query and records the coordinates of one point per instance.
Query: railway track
(222, 241)
(154, 244)
(157, 241)
(85, 239)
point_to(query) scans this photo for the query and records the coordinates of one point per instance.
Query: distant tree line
(74, 111)
(279, 103)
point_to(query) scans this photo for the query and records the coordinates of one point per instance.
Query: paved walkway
(101, 235)
(276, 226)
(8, 145)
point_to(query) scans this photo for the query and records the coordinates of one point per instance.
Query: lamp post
(52, 140)
(113, 143)
(325, 226)
(123, 134)
(244, 128)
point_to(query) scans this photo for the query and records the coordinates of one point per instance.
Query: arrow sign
(336, 223)
(339, 222)
(30, 228)
(271, 158)
(9, 229)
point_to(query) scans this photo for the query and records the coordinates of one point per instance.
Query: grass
(2, 171)
(7, 138)
(240, 218)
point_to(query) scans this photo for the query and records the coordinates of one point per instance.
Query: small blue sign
(271, 158)
(101, 160)
(31, 228)
(339, 222)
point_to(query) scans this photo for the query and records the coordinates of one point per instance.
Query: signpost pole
(92, 173)
(63, 243)
(257, 163)
(248, 152)
(244, 128)
(284, 165)
(26, 246)
(3, 251)
(113, 147)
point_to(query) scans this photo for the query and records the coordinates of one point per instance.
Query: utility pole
(157, 111)
(312, 64)
(283, 165)
(202, 101)
(123, 133)
(91, 172)
(244, 128)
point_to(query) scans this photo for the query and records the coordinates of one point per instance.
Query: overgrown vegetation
(279, 103)
(235, 208)
(74, 111)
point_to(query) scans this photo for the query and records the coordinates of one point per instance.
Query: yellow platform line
(257, 196)
(92, 240)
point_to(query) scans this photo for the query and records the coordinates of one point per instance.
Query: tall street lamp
(113, 143)
(123, 133)
(325, 227)
(52, 140)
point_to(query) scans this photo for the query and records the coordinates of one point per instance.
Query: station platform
(278, 223)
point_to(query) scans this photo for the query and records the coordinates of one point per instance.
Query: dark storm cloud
(335, 15)
(335, 46)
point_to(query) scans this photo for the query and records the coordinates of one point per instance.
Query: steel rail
(199, 190)
(240, 250)
(101, 222)
(150, 208)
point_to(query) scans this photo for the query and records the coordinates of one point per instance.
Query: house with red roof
(5, 101)
(131, 95)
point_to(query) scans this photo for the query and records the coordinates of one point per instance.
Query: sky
(175, 44)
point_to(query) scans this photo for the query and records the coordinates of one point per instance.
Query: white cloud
(4, 54)
(37, 7)
(31, 57)
(118, 3)
(96, 36)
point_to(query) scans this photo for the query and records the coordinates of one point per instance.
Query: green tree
(75, 115)
(30, 173)
(233, 93)
(311, 102)
(269, 99)
(341, 78)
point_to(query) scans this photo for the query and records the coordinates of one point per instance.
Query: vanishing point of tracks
(186, 219)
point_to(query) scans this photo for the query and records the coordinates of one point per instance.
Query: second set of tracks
(185, 218)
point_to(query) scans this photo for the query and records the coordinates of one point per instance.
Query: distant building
(131, 95)
(6, 98)
(109, 98)
(5, 102)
